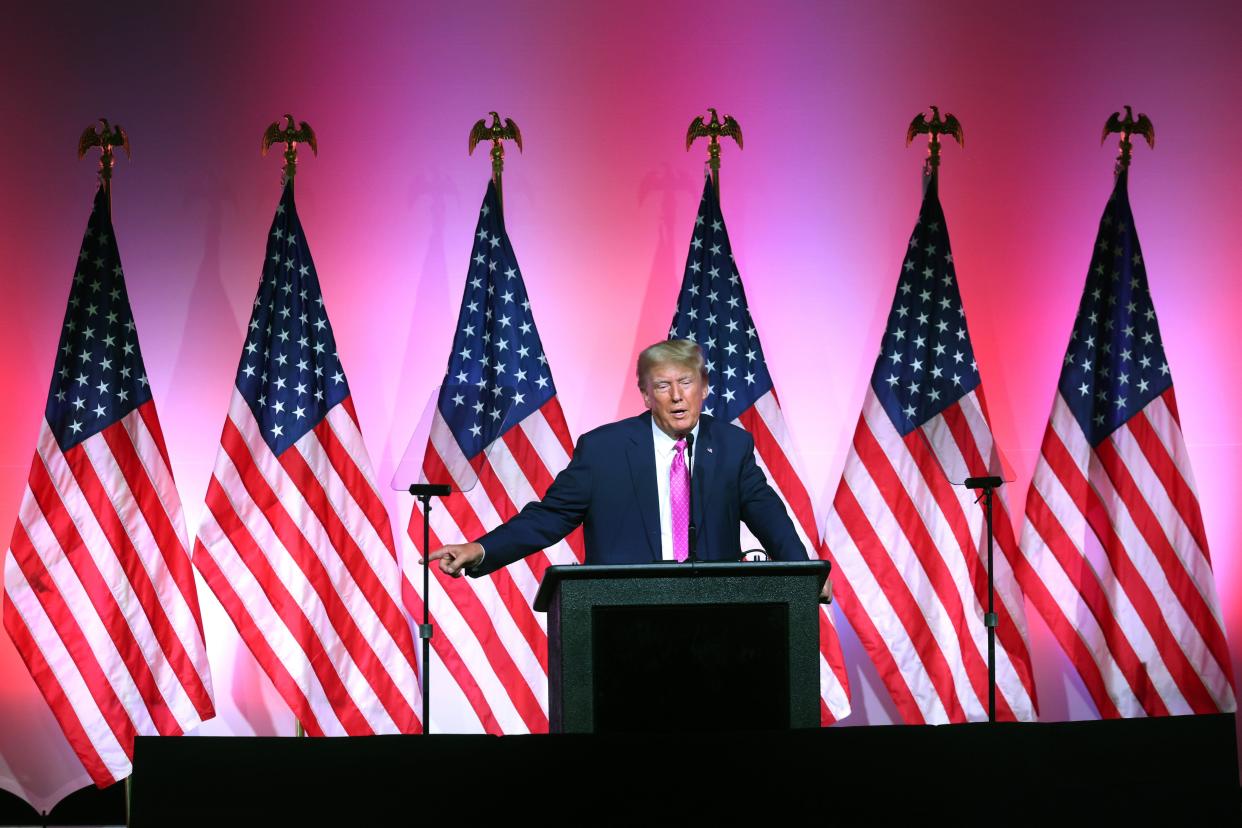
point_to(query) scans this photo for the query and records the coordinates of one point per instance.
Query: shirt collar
(665, 444)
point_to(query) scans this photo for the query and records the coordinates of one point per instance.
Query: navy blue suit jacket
(609, 487)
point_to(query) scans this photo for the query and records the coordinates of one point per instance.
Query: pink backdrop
(819, 206)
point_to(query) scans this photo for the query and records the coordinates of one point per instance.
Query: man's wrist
(482, 557)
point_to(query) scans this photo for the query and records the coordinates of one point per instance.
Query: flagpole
(933, 129)
(712, 131)
(290, 135)
(497, 133)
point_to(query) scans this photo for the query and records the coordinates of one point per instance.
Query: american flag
(498, 437)
(100, 593)
(712, 310)
(295, 541)
(909, 544)
(1117, 561)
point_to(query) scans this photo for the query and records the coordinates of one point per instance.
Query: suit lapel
(704, 472)
(641, 457)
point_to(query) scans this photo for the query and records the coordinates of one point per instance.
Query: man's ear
(646, 397)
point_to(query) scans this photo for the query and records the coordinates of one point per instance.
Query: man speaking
(629, 485)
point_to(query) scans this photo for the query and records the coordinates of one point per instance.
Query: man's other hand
(825, 594)
(456, 558)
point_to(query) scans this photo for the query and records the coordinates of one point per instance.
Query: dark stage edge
(85, 806)
(1132, 771)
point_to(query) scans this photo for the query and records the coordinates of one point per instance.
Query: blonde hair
(683, 352)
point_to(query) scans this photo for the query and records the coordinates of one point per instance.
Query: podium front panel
(686, 667)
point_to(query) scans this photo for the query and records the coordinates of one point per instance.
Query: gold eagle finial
(105, 137)
(290, 136)
(1127, 127)
(713, 130)
(497, 133)
(934, 128)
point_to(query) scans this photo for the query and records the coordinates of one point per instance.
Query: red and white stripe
(774, 451)
(101, 601)
(490, 641)
(300, 553)
(911, 550)
(1117, 563)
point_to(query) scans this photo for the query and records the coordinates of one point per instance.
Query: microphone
(694, 530)
(983, 482)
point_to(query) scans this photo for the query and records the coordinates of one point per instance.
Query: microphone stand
(424, 492)
(988, 486)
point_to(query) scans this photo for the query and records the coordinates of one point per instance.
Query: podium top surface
(669, 569)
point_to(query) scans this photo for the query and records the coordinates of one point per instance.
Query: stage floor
(1183, 770)
(1108, 772)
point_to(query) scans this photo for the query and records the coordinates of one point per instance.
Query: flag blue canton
(290, 374)
(712, 311)
(497, 374)
(926, 362)
(99, 376)
(1115, 363)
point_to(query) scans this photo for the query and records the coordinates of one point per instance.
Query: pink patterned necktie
(679, 502)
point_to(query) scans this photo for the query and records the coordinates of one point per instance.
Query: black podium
(683, 647)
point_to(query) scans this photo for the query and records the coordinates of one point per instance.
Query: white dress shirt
(665, 451)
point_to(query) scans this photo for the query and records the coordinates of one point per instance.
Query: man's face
(674, 395)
